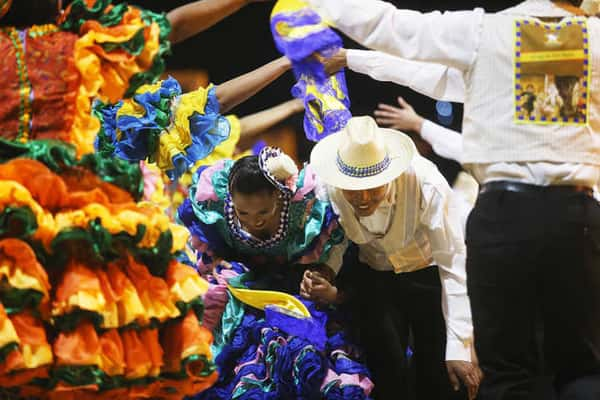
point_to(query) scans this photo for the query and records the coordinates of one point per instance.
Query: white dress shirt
(424, 214)
(451, 39)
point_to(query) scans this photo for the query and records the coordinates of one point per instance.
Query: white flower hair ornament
(279, 169)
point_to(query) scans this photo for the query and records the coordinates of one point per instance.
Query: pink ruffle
(346, 379)
(216, 298)
(310, 182)
(205, 190)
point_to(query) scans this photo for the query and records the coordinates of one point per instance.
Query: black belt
(497, 186)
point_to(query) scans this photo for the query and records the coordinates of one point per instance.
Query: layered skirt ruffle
(272, 355)
(93, 300)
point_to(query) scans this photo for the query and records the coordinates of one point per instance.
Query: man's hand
(466, 372)
(403, 119)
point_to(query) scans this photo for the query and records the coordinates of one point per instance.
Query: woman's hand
(333, 63)
(316, 287)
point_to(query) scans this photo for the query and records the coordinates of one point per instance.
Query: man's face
(365, 202)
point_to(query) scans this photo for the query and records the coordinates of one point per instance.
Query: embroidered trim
(362, 172)
(25, 91)
(561, 75)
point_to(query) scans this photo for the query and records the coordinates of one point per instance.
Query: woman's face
(257, 212)
(365, 202)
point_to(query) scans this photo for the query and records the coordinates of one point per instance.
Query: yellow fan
(263, 298)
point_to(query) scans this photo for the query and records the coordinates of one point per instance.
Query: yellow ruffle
(105, 78)
(20, 280)
(36, 356)
(16, 195)
(178, 136)
(185, 284)
(8, 334)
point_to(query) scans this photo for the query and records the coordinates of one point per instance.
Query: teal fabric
(302, 228)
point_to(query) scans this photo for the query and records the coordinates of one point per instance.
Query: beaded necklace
(244, 237)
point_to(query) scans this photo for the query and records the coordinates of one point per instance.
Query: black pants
(536, 257)
(392, 307)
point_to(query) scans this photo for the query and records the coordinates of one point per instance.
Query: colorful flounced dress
(266, 352)
(170, 132)
(97, 299)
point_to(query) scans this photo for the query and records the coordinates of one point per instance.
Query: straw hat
(362, 155)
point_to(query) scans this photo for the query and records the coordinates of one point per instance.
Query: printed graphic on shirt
(552, 70)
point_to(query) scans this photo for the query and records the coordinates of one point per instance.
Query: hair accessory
(279, 169)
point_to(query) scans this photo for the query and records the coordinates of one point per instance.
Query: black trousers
(390, 308)
(534, 259)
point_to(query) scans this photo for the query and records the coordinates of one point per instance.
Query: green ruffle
(17, 222)
(158, 64)
(196, 304)
(106, 247)
(92, 375)
(133, 46)
(7, 349)
(55, 154)
(16, 300)
(58, 155)
(125, 175)
(80, 13)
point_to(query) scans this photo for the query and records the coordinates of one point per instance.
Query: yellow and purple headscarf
(299, 32)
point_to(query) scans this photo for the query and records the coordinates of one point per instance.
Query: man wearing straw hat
(533, 237)
(398, 209)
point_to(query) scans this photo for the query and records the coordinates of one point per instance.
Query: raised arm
(193, 18)
(445, 142)
(254, 124)
(451, 38)
(237, 90)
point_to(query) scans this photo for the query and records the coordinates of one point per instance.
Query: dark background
(243, 42)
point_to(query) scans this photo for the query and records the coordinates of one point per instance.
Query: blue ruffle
(208, 130)
(282, 366)
(136, 138)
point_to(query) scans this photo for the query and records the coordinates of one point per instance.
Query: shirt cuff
(428, 131)
(357, 60)
(458, 350)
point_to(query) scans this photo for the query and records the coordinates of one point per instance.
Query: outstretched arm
(432, 80)
(450, 38)
(238, 90)
(256, 123)
(193, 18)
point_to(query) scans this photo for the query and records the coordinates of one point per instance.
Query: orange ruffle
(19, 265)
(77, 188)
(143, 354)
(34, 351)
(184, 339)
(106, 75)
(79, 347)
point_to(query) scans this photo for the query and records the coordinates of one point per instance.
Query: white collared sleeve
(445, 142)
(450, 38)
(442, 219)
(437, 81)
